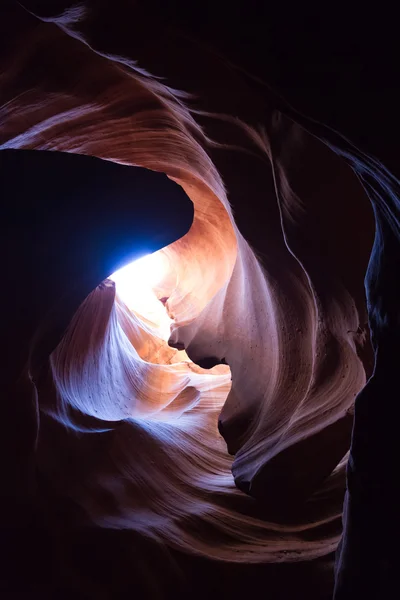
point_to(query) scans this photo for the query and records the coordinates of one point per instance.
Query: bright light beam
(134, 285)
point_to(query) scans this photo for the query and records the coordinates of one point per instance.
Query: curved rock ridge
(243, 461)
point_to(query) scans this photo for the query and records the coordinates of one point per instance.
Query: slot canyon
(200, 303)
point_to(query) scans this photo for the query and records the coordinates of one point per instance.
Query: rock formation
(223, 450)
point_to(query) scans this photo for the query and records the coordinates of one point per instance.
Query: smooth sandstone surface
(176, 477)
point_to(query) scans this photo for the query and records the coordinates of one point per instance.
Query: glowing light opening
(135, 285)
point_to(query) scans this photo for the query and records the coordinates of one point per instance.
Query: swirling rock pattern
(243, 462)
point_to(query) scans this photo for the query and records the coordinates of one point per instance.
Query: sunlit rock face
(243, 462)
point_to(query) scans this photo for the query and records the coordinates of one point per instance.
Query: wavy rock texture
(269, 280)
